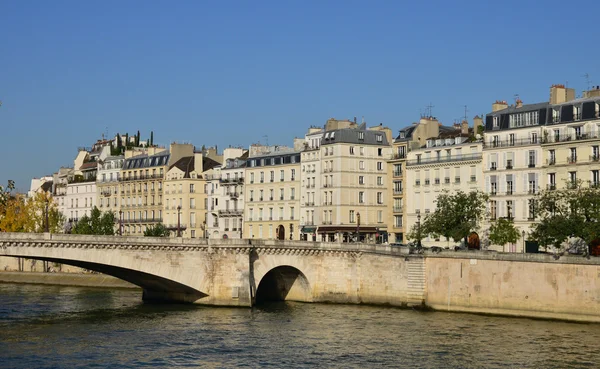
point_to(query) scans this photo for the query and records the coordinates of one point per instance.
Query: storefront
(308, 233)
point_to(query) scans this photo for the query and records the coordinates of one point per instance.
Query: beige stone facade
(395, 198)
(354, 183)
(272, 195)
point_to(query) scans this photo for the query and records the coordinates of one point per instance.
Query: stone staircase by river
(416, 281)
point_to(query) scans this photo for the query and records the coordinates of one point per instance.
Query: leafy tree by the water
(565, 213)
(98, 223)
(503, 231)
(5, 192)
(456, 215)
(37, 206)
(158, 230)
(14, 214)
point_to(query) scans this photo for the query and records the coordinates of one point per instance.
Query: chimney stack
(560, 94)
(464, 127)
(499, 105)
(519, 103)
(477, 122)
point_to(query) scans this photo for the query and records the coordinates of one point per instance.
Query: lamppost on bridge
(523, 233)
(179, 221)
(419, 230)
(46, 217)
(120, 222)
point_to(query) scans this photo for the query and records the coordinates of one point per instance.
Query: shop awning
(308, 229)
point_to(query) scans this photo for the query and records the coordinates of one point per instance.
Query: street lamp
(179, 221)
(523, 233)
(47, 222)
(419, 230)
(120, 222)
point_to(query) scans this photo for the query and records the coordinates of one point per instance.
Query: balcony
(551, 161)
(397, 209)
(569, 137)
(511, 143)
(397, 174)
(397, 192)
(594, 157)
(572, 159)
(531, 165)
(509, 192)
(444, 159)
(493, 166)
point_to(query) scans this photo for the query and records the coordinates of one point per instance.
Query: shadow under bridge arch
(283, 283)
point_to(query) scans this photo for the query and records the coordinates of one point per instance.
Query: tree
(97, 223)
(158, 230)
(5, 193)
(14, 215)
(503, 231)
(137, 139)
(151, 138)
(127, 145)
(566, 213)
(39, 208)
(456, 215)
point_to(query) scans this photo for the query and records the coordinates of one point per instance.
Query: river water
(71, 327)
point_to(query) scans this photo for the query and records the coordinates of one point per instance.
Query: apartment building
(354, 182)
(531, 147)
(272, 193)
(107, 183)
(141, 180)
(571, 142)
(450, 160)
(81, 193)
(395, 196)
(185, 194)
(223, 185)
(310, 184)
(230, 197)
(513, 157)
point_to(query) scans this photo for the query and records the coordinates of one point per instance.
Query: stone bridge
(236, 272)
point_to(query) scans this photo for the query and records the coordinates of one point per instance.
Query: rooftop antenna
(430, 110)
(266, 138)
(588, 82)
(516, 97)
(466, 111)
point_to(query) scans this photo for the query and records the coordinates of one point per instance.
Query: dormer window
(577, 112)
(495, 122)
(332, 135)
(327, 136)
(379, 138)
(361, 135)
(402, 134)
(556, 115)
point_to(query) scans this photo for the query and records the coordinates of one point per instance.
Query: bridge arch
(283, 283)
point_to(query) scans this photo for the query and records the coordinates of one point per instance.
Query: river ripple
(69, 327)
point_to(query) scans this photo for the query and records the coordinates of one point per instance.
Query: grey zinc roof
(350, 135)
(524, 108)
(407, 133)
(579, 101)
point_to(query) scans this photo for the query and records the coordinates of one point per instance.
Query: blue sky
(229, 73)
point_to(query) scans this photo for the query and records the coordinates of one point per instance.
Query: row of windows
(271, 215)
(272, 176)
(271, 195)
(277, 160)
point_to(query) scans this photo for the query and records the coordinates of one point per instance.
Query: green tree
(137, 139)
(151, 138)
(503, 231)
(456, 215)
(158, 230)
(570, 212)
(98, 223)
